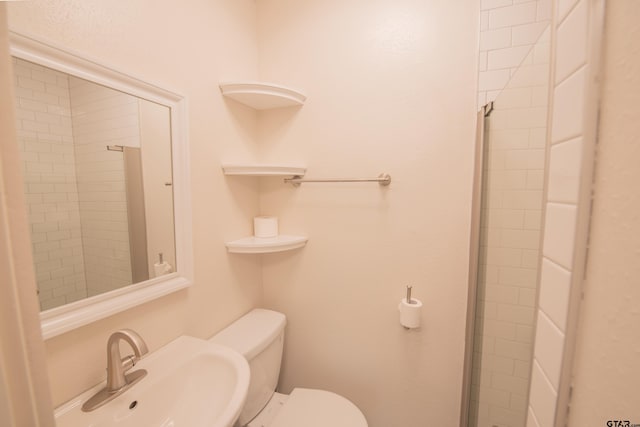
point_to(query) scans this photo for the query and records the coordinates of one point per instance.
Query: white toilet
(259, 336)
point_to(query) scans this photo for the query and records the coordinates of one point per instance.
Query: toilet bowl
(259, 336)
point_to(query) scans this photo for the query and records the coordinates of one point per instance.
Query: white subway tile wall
(74, 186)
(564, 169)
(568, 145)
(572, 36)
(555, 282)
(46, 145)
(552, 340)
(559, 233)
(511, 225)
(542, 399)
(567, 107)
(102, 116)
(508, 29)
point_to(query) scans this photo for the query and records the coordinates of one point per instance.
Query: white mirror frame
(62, 319)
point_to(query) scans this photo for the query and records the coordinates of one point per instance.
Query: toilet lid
(318, 408)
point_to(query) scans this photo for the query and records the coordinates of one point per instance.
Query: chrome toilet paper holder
(409, 309)
(409, 300)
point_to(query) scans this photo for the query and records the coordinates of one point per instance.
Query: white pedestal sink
(190, 382)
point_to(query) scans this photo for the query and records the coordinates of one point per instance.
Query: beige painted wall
(391, 88)
(187, 49)
(606, 372)
(24, 398)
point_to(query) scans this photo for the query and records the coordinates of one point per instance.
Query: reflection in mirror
(54, 129)
(98, 182)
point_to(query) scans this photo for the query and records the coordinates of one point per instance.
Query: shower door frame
(474, 253)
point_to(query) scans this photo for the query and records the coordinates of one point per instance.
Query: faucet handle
(129, 362)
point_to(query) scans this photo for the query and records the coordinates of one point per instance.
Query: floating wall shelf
(263, 170)
(256, 245)
(262, 96)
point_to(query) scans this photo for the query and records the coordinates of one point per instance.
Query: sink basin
(190, 382)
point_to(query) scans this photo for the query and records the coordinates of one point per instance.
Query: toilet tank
(259, 337)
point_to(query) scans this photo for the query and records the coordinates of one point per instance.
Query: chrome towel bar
(383, 179)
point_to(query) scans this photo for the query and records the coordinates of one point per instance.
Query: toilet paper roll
(162, 268)
(265, 226)
(410, 313)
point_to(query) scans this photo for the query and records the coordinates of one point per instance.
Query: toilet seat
(318, 408)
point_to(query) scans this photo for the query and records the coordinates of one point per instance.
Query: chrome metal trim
(488, 108)
(117, 381)
(104, 396)
(383, 179)
(474, 249)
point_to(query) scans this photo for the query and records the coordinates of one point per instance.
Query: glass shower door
(501, 332)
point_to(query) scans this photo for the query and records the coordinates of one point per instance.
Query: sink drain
(133, 404)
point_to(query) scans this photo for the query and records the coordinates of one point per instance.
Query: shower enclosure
(505, 245)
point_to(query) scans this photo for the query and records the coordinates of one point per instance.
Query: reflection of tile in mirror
(45, 135)
(101, 117)
(75, 187)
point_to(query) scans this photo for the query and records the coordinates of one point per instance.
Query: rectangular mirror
(105, 180)
(98, 180)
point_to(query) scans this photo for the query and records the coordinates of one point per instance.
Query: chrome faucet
(117, 366)
(117, 380)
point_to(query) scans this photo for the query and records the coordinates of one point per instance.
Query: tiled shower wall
(74, 186)
(102, 116)
(46, 145)
(510, 235)
(572, 139)
(508, 29)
